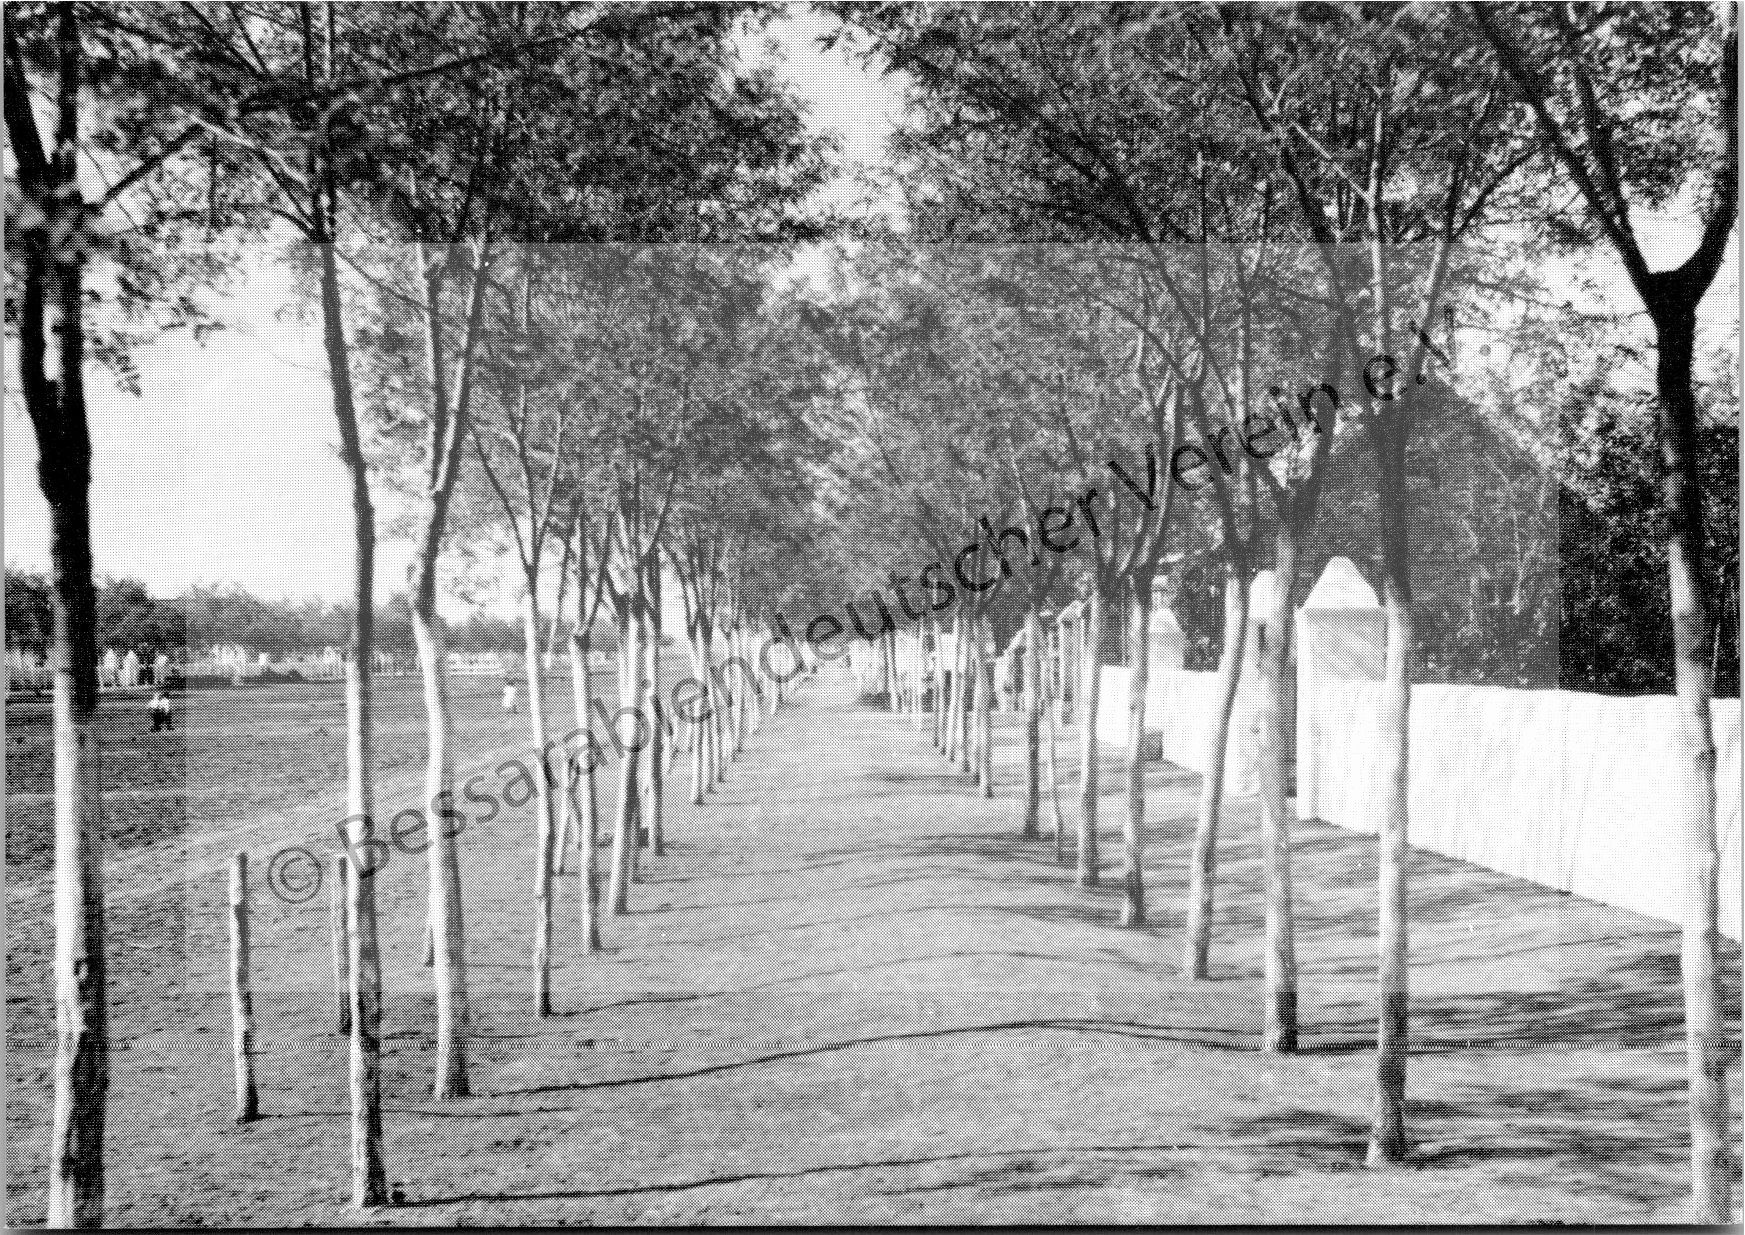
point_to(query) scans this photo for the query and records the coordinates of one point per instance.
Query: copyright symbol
(294, 875)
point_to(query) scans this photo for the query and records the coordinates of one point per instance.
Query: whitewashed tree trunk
(623, 838)
(546, 821)
(1203, 864)
(984, 717)
(694, 729)
(954, 689)
(1279, 1030)
(735, 652)
(1032, 723)
(937, 666)
(369, 1181)
(49, 347)
(1089, 776)
(723, 689)
(1133, 834)
(916, 684)
(445, 929)
(966, 701)
(655, 767)
(582, 773)
(1387, 1142)
(893, 680)
(1057, 817)
(81, 1078)
(1708, 1049)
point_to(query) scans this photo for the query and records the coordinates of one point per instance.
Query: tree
(30, 621)
(1397, 152)
(129, 616)
(526, 437)
(52, 301)
(62, 65)
(1625, 118)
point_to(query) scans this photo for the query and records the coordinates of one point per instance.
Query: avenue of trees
(1185, 286)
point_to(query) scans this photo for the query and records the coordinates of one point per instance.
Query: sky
(225, 469)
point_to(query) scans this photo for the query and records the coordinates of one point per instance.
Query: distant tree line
(129, 616)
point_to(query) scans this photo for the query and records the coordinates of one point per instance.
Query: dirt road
(852, 993)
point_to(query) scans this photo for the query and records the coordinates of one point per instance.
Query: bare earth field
(849, 993)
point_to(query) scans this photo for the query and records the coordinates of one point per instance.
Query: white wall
(1180, 706)
(1566, 789)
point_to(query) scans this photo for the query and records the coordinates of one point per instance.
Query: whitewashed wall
(1561, 788)
(1180, 707)
(1565, 789)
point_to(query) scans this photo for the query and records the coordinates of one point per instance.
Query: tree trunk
(730, 702)
(694, 729)
(1057, 816)
(545, 831)
(1090, 695)
(778, 683)
(630, 657)
(369, 1183)
(736, 649)
(566, 825)
(894, 694)
(1032, 723)
(446, 923)
(1203, 865)
(966, 704)
(341, 936)
(1139, 665)
(248, 1102)
(917, 681)
(1387, 1142)
(1706, 1043)
(984, 715)
(1387, 1138)
(53, 275)
(1279, 1034)
(81, 1077)
(563, 585)
(717, 763)
(638, 762)
(954, 689)
(655, 795)
(723, 713)
(709, 733)
(937, 673)
(587, 831)
(754, 712)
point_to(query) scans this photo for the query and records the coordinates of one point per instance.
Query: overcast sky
(225, 471)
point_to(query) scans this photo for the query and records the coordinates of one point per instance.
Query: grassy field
(850, 993)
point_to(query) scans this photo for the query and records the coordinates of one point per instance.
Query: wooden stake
(336, 921)
(241, 1001)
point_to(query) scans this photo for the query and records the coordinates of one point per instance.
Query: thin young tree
(526, 440)
(590, 597)
(1416, 164)
(1581, 76)
(51, 369)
